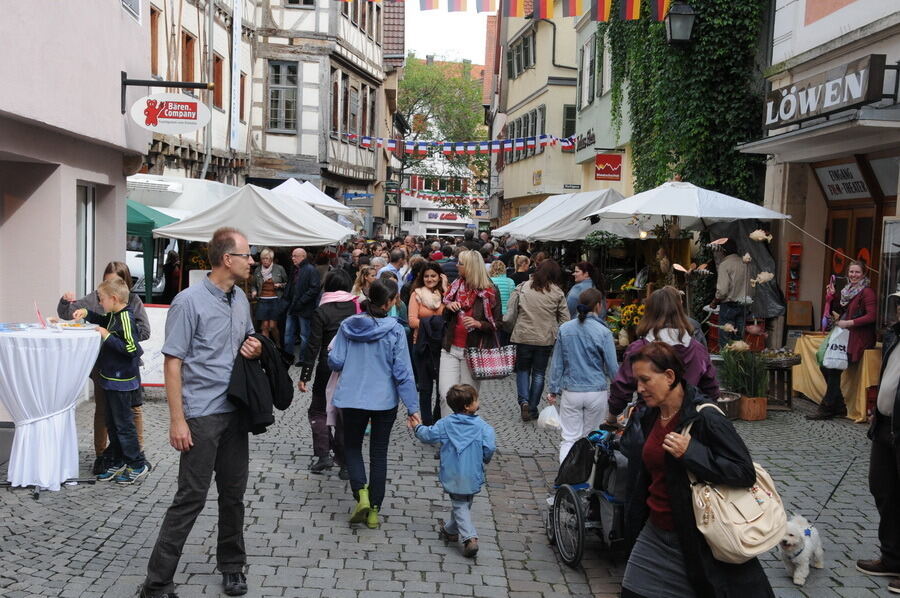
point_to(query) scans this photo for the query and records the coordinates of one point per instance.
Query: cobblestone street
(94, 540)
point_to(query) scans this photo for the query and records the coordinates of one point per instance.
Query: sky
(448, 35)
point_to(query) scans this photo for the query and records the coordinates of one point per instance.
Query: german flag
(428, 4)
(659, 8)
(600, 10)
(485, 5)
(630, 10)
(456, 5)
(543, 9)
(572, 8)
(513, 8)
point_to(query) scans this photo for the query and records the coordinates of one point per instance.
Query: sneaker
(344, 473)
(894, 586)
(372, 521)
(470, 548)
(234, 584)
(368, 429)
(526, 412)
(321, 465)
(99, 466)
(876, 567)
(361, 510)
(130, 476)
(111, 472)
(145, 594)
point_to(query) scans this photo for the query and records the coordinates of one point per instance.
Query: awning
(140, 222)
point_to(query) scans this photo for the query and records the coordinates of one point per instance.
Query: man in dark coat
(303, 294)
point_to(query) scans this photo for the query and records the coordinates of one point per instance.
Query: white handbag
(836, 353)
(738, 523)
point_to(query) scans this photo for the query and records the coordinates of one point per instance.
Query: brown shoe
(894, 586)
(444, 535)
(526, 412)
(876, 567)
(470, 548)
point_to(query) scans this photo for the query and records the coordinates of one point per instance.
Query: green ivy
(690, 106)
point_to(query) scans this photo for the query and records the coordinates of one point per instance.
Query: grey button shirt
(205, 329)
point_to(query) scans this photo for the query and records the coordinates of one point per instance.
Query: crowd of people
(400, 317)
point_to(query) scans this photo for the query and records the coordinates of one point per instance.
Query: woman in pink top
(425, 304)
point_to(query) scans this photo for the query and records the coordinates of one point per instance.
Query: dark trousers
(221, 447)
(355, 422)
(427, 364)
(325, 439)
(731, 312)
(884, 484)
(833, 400)
(531, 367)
(123, 439)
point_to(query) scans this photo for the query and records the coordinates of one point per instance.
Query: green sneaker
(361, 510)
(111, 473)
(372, 519)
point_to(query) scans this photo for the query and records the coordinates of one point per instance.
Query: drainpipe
(207, 134)
(559, 66)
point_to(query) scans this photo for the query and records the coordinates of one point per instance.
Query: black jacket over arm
(259, 384)
(716, 454)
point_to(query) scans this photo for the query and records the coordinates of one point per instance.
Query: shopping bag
(549, 419)
(835, 357)
(490, 364)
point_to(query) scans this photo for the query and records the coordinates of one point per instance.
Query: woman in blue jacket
(373, 349)
(582, 366)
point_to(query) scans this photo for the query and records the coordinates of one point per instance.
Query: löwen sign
(170, 113)
(846, 86)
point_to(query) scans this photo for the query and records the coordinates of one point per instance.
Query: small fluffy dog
(800, 548)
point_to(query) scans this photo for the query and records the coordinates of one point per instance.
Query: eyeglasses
(243, 255)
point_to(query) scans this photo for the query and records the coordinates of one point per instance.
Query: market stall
(141, 220)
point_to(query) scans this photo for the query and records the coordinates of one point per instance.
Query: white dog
(800, 548)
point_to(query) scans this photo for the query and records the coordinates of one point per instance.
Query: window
(355, 10)
(133, 7)
(542, 115)
(526, 126)
(84, 239)
(407, 215)
(528, 51)
(532, 132)
(364, 129)
(283, 96)
(606, 68)
(521, 55)
(241, 114)
(188, 45)
(378, 24)
(345, 9)
(345, 105)
(373, 98)
(218, 85)
(592, 67)
(586, 67)
(363, 14)
(296, 3)
(510, 65)
(154, 41)
(568, 121)
(335, 101)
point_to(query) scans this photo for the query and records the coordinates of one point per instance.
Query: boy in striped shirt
(119, 367)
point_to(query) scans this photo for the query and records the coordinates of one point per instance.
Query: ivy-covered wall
(690, 106)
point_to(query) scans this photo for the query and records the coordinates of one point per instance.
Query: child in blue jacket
(467, 444)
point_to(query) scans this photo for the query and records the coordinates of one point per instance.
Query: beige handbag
(738, 523)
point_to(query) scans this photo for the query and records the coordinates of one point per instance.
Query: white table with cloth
(42, 372)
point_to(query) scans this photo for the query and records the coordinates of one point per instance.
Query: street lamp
(679, 23)
(480, 186)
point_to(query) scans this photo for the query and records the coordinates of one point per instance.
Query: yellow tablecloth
(854, 382)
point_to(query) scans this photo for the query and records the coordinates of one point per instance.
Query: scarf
(340, 297)
(852, 290)
(465, 296)
(669, 336)
(429, 299)
(267, 272)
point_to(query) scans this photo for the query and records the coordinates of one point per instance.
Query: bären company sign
(845, 86)
(170, 113)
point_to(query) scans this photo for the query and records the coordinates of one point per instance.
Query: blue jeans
(733, 313)
(293, 325)
(123, 440)
(355, 422)
(460, 519)
(531, 367)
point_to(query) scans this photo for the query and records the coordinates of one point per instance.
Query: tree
(442, 102)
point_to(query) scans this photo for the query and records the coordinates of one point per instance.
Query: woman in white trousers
(583, 363)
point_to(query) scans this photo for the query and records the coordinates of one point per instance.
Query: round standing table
(42, 372)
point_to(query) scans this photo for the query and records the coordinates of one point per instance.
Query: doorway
(851, 231)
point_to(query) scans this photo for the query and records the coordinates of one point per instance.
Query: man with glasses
(207, 327)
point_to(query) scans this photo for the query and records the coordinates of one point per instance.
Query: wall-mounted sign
(391, 197)
(536, 177)
(480, 213)
(846, 86)
(170, 113)
(843, 181)
(586, 140)
(608, 167)
(442, 216)
(571, 186)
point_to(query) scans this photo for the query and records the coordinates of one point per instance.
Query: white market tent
(177, 197)
(309, 193)
(695, 206)
(562, 218)
(266, 217)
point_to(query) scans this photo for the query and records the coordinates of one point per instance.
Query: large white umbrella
(692, 204)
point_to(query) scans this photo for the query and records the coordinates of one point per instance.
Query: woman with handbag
(670, 558)
(856, 311)
(536, 310)
(473, 313)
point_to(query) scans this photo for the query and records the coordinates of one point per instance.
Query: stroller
(589, 494)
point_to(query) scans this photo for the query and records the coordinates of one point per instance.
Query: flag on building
(659, 8)
(520, 143)
(572, 8)
(460, 149)
(456, 5)
(544, 140)
(543, 9)
(495, 147)
(530, 143)
(567, 143)
(507, 145)
(471, 148)
(485, 6)
(365, 142)
(513, 8)
(392, 145)
(484, 147)
(409, 147)
(448, 149)
(630, 10)
(428, 4)
(601, 9)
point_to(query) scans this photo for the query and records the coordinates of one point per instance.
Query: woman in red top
(670, 558)
(855, 311)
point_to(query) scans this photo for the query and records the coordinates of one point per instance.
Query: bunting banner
(461, 148)
(601, 10)
(486, 5)
(543, 9)
(513, 8)
(456, 5)
(659, 8)
(572, 8)
(428, 4)
(630, 10)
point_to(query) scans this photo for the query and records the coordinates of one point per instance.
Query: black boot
(322, 464)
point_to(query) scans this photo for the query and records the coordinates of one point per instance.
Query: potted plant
(743, 372)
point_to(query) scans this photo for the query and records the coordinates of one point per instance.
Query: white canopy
(178, 197)
(266, 217)
(561, 218)
(694, 205)
(309, 193)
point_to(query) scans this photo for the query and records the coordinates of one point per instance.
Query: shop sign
(571, 186)
(842, 181)
(170, 113)
(846, 86)
(479, 213)
(442, 216)
(608, 167)
(536, 177)
(391, 197)
(586, 140)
